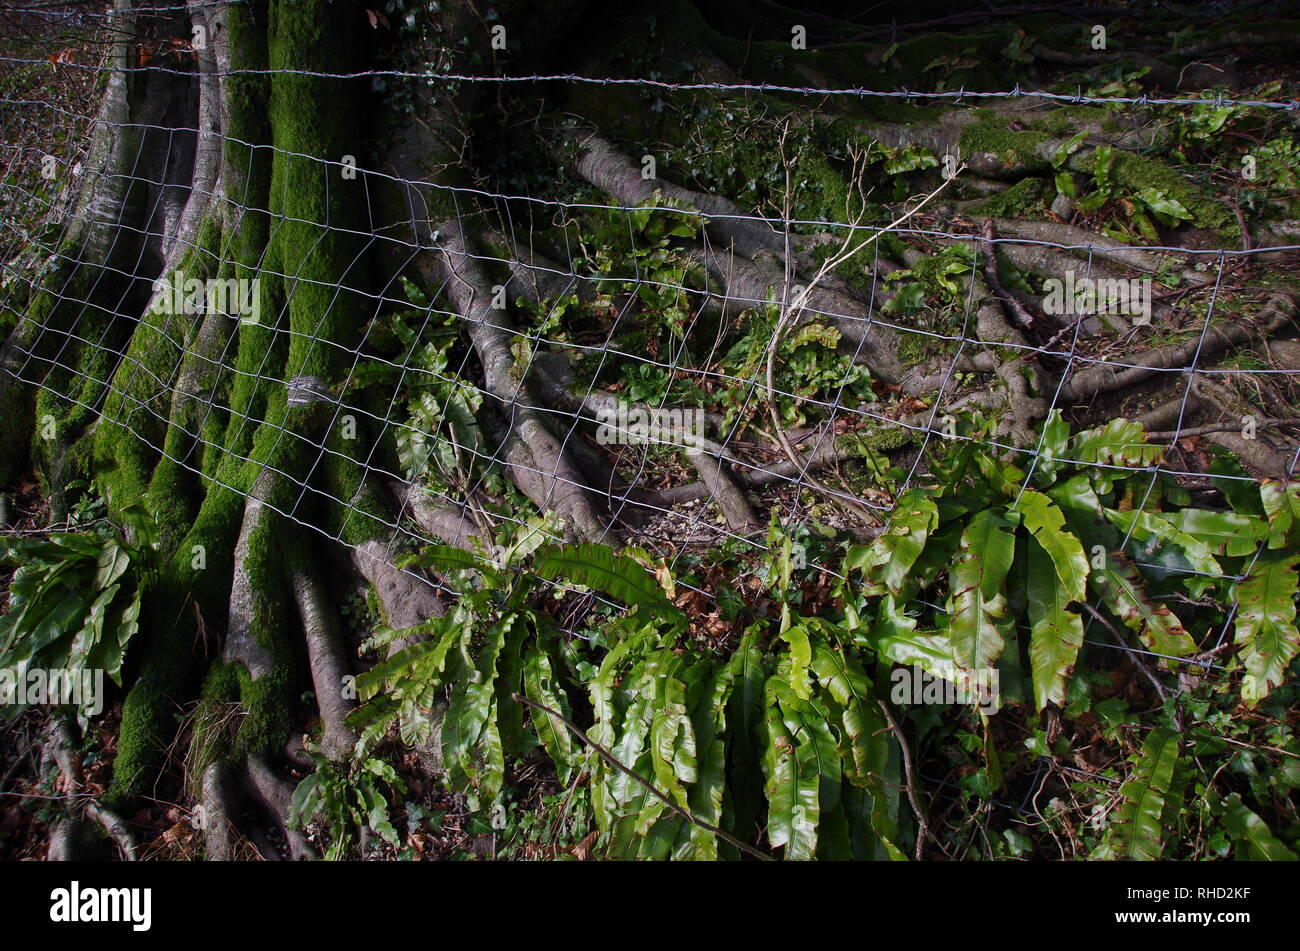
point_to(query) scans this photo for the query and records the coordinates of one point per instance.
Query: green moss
(994, 138)
(170, 634)
(364, 516)
(1024, 199)
(972, 60)
(266, 704)
(320, 206)
(213, 727)
(915, 348)
(74, 351)
(821, 193)
(138, 406)
(875, 439)
(17, 419)
(267, 701)
(1136, 172)
(245, 95)
(1067, 120)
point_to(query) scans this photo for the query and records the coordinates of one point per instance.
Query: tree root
(61, 748)
(556, 482)
(1255, 453)
(275, 795)
(1104, 378)
(329, 664)
(217, 797)
(607, 168)
(1083, 242)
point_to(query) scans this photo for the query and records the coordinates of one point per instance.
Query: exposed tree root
(557, 483)
(600, 163)
(218, 798)
(275, 795)
(1104, 378)
(329, 664)
(61, 748)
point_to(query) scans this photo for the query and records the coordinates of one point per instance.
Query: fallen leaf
(582, 851)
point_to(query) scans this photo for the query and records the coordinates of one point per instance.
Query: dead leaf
(665, 578)
(582, 851)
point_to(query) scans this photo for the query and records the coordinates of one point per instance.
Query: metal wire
(143, 389)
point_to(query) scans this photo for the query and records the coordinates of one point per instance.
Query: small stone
(1063, 206)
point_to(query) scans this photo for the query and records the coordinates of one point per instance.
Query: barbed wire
(1079, 97)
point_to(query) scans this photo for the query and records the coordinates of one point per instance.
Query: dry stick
(1224, 428)
(793, 308)
(609, 757)
(1138, 662)
(909, 771)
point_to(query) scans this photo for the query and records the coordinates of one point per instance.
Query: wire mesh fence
(424, 394)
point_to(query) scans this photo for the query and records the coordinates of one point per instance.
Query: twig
(1224, 428)
(922, 823)
(609, 757)
(791, 307)
(1138, 662)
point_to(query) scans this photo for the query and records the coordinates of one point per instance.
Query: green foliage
(1138, 205)
(1087, 530)
(1139, 830)
(807, 366)
(74, 602)
(934, 289)
(783, 724)
(438, 439)
(633, 252)
(347, 798)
